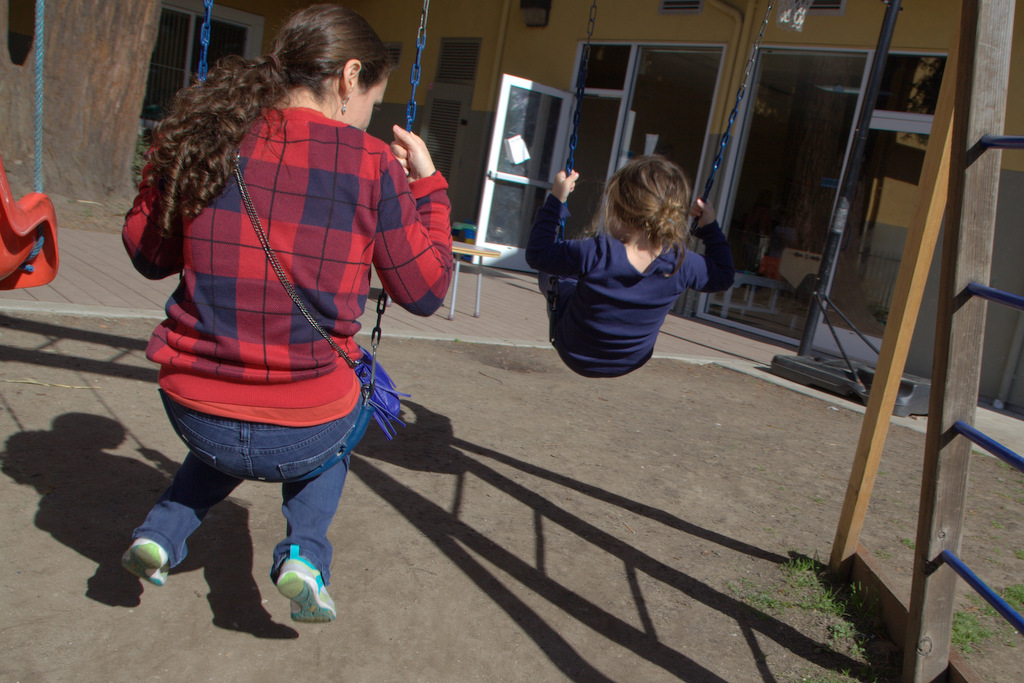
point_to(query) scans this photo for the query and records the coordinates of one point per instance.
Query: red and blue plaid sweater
(332, 200)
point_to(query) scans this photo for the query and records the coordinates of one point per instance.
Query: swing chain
(581, 85)
(735, 110)
(414, 77)
(382, 304)
(204, 40)
(39, 47)
(581, 82)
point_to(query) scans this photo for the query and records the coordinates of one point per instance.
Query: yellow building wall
(547, 54)
(398, 21)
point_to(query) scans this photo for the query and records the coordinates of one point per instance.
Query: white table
(752, 282)
(460, 249)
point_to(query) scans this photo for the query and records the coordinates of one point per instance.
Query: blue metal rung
(997, 295)
(989, 444)
(1002, 141)
(989, 595)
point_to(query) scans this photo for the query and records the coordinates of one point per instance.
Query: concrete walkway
(96, 278)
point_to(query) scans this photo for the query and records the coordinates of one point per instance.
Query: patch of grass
(825, 600)
(986, 609)
(863, 605)
(885, 555)
(800, 571)
(1019, 553)
(1014, 596)
(842, 629)
(968, 632)
(848, 614)
(757, 597)
(908, 543)
(844, 676)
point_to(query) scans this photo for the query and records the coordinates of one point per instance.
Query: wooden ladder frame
(962, 178)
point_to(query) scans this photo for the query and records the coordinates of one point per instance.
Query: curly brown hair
(195, 145)
(650, 195)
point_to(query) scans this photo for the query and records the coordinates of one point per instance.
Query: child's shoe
(147, 560)
(301, 582)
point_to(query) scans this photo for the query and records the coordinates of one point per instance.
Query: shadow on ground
(437, 450)
(91, 500)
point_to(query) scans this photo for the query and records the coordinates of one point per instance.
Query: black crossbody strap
(276, 265)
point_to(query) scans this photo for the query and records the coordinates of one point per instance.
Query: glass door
(527, 149)
(639, 99)
(783, 193)
(673, 93)
(872, 248)
(799, 120)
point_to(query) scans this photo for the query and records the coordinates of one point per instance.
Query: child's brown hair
(650, 195)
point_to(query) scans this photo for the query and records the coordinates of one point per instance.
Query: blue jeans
(224, 452)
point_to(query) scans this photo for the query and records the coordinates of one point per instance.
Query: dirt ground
(527, 525)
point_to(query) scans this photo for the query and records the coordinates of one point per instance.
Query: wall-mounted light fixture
(535, 12)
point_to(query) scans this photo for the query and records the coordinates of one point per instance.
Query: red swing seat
(21, 223)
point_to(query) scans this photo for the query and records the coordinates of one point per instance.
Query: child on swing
(613, 291)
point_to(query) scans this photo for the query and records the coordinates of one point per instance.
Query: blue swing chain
(37, 131)
(39, 46)
(581, 83)
(204, 40)
(414, 77)
(735, 110)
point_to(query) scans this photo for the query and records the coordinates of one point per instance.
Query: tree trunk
(15, 101)
(96, 62)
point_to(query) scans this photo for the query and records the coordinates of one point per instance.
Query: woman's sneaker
(302, 583)
(147, 560)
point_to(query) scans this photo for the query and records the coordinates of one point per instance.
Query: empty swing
(28, 238)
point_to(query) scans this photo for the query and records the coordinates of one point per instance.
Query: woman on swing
(614, 290)
(247, 382)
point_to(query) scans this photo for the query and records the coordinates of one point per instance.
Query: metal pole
(850, 179)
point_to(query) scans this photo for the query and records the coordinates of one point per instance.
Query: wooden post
(986, 28)
(922, 234)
